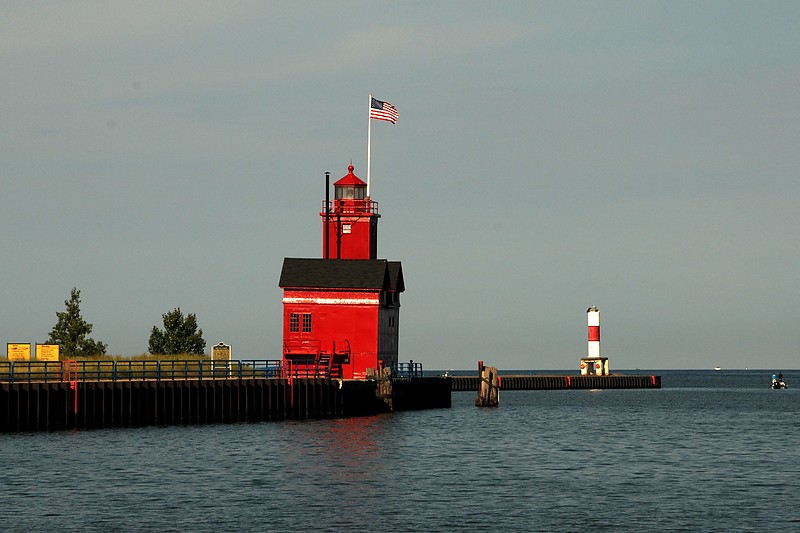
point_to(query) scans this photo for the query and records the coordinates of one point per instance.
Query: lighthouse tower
(341, 313)
(593, 323)
(593, 364)
(350, 222)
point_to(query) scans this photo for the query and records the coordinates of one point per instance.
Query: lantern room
(350, 187)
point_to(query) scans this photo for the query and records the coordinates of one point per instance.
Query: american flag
(383, 111)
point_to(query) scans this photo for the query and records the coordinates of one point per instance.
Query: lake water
(710, 451)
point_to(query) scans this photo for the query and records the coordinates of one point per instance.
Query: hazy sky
(638, 156)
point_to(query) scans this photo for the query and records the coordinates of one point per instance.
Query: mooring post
(489, 391)
(385, 388)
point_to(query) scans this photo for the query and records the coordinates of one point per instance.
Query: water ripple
(682, 459)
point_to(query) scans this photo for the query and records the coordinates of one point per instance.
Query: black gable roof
(396, 276)
(342, 274)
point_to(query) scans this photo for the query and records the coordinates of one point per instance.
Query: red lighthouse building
(341, 312)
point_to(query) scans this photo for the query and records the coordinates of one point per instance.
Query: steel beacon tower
(593, 364)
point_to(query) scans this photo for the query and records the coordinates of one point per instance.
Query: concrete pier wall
(49, 406)
(551, 382)
(421, 393)
(105, 404)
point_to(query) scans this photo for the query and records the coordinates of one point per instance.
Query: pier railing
(101, 370)
(107, 370)
(407, 370)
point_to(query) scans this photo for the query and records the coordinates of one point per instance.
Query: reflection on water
(353, 443)
(345, 454)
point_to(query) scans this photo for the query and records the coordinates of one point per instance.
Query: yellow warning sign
(47, 352)
(18, 352)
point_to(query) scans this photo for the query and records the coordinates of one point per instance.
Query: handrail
(306, 369)
(105, 370)
(350, 207)
(108, 370)
(407, 370)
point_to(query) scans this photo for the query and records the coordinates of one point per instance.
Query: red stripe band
(594, 333)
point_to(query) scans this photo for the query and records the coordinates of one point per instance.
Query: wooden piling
(489, 387)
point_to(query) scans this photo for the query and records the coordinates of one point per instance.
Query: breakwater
(551, 382)
(40, 406)
(87, 395)
(43, 396)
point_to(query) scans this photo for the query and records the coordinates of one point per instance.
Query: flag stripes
(383, 111)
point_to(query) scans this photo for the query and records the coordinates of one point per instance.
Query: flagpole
(369, 140)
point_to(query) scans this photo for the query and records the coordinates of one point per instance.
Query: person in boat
(780, 376)
(774, 380)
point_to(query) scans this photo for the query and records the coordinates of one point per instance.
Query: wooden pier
(554, 382)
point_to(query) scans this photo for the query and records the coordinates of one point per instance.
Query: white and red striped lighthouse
(593, 321)
(593, 364)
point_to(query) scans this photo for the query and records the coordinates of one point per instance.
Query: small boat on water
(777, 382)
(717, 368)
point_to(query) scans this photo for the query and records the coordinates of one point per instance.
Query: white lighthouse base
(594, 366)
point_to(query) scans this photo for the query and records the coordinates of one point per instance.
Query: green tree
(71, 331)
(180, 335)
